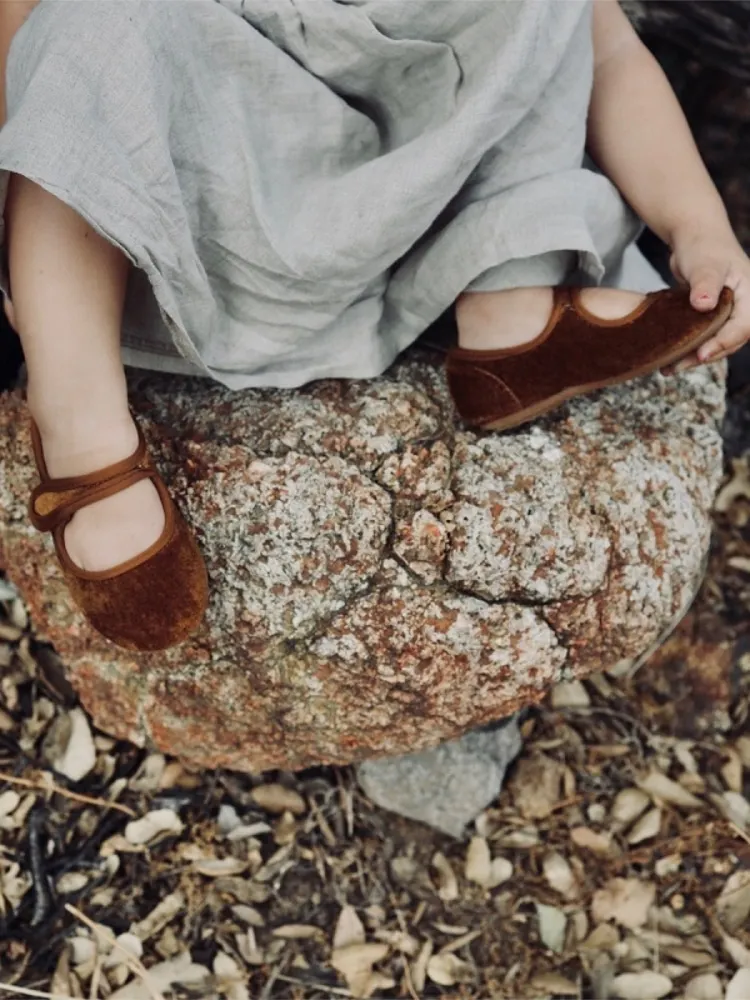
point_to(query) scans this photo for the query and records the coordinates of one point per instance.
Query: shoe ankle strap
(54, 501)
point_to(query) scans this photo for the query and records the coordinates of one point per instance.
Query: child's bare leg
(68, 288)
(493, 320)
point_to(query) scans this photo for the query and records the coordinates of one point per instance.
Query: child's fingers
(706, 283)
(685, 364)
(730, 338)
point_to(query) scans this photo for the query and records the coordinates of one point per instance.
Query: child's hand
(707, 262)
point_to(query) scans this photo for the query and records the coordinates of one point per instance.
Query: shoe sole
(540, 409)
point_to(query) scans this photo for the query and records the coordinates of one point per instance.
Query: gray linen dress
(304, 186)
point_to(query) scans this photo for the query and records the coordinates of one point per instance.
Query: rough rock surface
(449, 785)
(384, 580)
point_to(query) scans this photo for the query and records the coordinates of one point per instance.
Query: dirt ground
(615, 863)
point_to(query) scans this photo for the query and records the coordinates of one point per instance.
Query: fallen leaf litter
(616, 861)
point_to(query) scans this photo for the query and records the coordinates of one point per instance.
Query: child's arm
(638, 135)
(12, 15)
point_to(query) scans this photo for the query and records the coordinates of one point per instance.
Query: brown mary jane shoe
(577, 353)
(151, 602)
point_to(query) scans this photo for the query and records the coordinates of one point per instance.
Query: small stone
(448, 786)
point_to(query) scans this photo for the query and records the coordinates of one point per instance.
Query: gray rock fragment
(446, 787)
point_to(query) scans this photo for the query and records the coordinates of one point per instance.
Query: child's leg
(493, 320)
(68, 288)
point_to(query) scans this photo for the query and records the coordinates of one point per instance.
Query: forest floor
(615, 862)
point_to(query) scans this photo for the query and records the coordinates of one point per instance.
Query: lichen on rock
(384, 580)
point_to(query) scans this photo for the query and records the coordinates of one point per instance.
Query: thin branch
(42, 786)
(134, 964)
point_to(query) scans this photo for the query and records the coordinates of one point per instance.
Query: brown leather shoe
(151, 602)
(577, 353)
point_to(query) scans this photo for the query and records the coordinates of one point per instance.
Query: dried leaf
(737, 486)
(77, 756)
(297, 932)
(71, 882)
(646, 827)
(399, 941)
(628, 806)
(232, 980)
(447, 969)
(159, 917)
(249, 915)
(8, 802)
(559, 875)
(737, 951)
(704, 987)
(500, 871)
(733, 904)
(129, 943)
(162, 976)
(275, 798)
(645, 985)
(626, 901)
(355, 963)
(693, 958)
(668, 865)
(731, 771)
(60, 984)
(739, 985)
(349, 929)
(478, 861)
(663, 789)
(603, 938)
(217, 867)
(536, 786)
(419, 967)
(285, 829)
(735, 807)
(447, 881)
(552, 982)
(552, 926)
(154, 824)
(570, 694)
(598, 843)
(147, 778)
